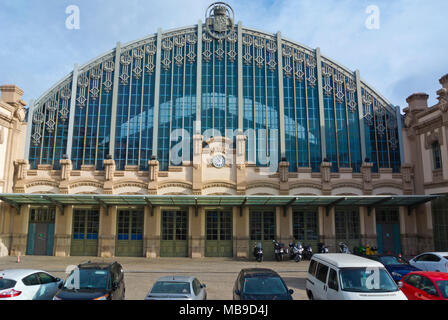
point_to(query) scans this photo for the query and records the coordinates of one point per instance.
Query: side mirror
(60, 285)
(400, 284)
(237, 292)
(290, 291)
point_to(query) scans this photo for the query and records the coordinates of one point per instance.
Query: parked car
(177, 288)
(342, 276)
(425, 285)
(397, 266)
(431, 261)
(25, 284)
(94, 281)
(260, 284)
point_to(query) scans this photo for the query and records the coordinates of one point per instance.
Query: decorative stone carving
(432, 137)
(109, 166)
(153, 170)
(21, 167)
(66, 168)
(20, 114)
(325, 171)
(366, 170)
(283, 170)
(219, 20)
(443, 99)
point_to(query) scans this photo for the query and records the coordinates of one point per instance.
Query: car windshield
(366, 280)
(392, 260)
(88, 279)
(171, 287)
(264, 285)
(7, 284)
(443, 286)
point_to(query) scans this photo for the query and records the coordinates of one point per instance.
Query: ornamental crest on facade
(219, 20)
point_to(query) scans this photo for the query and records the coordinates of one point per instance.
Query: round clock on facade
(219, 161)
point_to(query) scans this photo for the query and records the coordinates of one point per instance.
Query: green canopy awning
(16, 200)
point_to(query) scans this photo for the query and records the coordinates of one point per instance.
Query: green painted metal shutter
(379, 238)
(31, 235)
(50, 239)
(174, 241)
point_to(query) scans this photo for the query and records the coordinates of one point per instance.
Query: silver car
(177, 288)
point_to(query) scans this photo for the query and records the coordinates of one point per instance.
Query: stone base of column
(242, 247)
(18, 244)
(152, 247)
(62, 244)
(106, 246)
(197, 247)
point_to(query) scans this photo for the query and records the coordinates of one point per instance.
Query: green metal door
(41, 232)
(388, 231)
(305, 227)
(174, 241)
(219, 233)
(347, 225)
(440, 223)
(262, 229)
(129, 241)
(85, 232)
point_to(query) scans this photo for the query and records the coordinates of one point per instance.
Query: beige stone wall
(12, 139)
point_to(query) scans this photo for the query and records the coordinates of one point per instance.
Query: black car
(260, 284)
(93, 281)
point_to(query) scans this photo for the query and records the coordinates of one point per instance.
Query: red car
(422, 285)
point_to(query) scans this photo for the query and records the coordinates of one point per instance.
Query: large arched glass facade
(142, 99)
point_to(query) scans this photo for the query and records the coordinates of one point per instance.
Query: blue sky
(407, 54)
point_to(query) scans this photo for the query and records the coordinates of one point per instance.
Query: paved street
(218, 274)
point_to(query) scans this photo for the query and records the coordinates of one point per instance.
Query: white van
(341, 276)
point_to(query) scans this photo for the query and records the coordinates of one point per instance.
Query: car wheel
(309, 294)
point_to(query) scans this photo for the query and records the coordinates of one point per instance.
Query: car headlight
(396, 274)
(56, 298)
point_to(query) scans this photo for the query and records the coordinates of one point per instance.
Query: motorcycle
(359, 251)
(279, 250)
(307, 252)
(296, 251)
(343, 248)
(258, 252)
(371, 251)
(322, 248)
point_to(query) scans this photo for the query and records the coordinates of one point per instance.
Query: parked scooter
(322, 248)
(296, 251)
(371, 251)
(258, 252)
(359, 251)
(307, 252)
(343, 248)
(280, 250)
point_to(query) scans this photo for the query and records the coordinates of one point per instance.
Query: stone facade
(425, 125)
(12, 138)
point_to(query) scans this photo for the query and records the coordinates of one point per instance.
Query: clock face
(219, 161)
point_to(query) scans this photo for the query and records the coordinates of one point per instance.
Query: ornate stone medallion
(219, 20)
